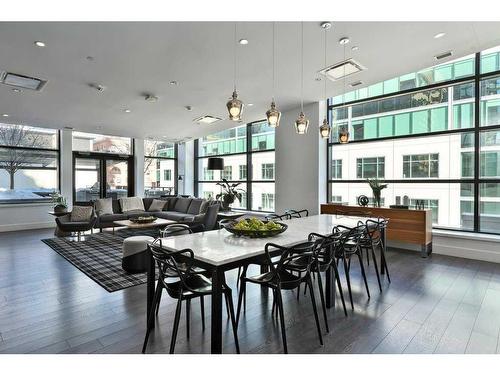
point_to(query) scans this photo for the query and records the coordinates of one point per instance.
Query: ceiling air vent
(443, 55)
(206, 119)
(20, 81)
(357, 83)
(342, 69)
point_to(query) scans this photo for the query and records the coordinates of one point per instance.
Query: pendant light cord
(343, 92)
(274, 64)
(325, 67)
(302, 70)
(234, 79)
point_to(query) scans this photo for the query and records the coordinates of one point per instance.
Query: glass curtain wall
(433, 136)
(248, 153)
(160, 168)
(29, 163)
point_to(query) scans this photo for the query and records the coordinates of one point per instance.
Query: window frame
(157, 159)
(476, 180)
(249, 180)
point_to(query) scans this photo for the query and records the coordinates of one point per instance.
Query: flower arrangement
(59, 202)
(377, 186)
(228, 194)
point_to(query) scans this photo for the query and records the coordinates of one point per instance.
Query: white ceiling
(135, 58)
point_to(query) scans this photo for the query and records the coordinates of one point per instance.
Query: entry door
(101, 177)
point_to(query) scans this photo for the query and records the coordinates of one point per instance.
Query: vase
(376, 198)
(60, 209)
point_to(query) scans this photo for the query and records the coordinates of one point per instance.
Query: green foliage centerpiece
(59, 202)
(229, 193)
(377, 186)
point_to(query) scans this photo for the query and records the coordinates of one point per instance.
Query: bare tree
(13, 158)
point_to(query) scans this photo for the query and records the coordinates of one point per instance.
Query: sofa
(178, 209)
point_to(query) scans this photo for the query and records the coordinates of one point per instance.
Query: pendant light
(272, 114)
(234, 105)
(344, 131)
(302, 122)
(324, 129)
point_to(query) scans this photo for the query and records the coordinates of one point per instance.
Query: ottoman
(134, 254)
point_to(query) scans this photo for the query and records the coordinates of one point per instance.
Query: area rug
(100, 257)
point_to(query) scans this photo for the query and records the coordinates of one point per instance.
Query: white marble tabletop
(219, 247)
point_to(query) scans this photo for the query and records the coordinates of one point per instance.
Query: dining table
(219, 251)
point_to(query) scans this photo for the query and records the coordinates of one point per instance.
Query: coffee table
(157, 223)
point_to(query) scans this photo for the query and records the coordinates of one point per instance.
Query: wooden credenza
(410, 226)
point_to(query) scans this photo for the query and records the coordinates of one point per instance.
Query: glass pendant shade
(324, 129)
(343, 135)
(273, 116)
(301, 124)
(234, 107)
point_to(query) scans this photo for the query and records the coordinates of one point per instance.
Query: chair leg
(348, 278)
(339, 285)
(240, 299)
(385, 263)
(363, 273)
(322, 297)
(176, 325)
(188, 316)
(282, 319)
(159, 299)
(238, 278)
(313, 301)
(230, 306)
(202, 307)
(376, 268)
(367, 258)
(150, 320)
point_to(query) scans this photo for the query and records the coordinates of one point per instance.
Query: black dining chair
(291, 269)
(277, 217)
(188, 285)
(374, 240)
(349, 245)
(297, 213)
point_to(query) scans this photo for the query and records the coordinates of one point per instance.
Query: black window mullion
(477, 93)
(249, 167)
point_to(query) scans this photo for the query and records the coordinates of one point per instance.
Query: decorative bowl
(143, 219)
(255, 233)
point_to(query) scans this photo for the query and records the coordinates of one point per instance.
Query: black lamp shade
(215, 164)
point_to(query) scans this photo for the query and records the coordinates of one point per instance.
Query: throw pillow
(104, 206)
(131, 204)
(195, 206)
(81, 213)
(156, 205)
(182, 205)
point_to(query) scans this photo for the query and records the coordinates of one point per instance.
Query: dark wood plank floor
(436, 305)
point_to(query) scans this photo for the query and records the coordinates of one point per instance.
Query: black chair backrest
(175, 230)
(375, 229)
(285, 216)
(326, 247)
(297, 213)
(348, 238)
(173, 264)
(294, 258)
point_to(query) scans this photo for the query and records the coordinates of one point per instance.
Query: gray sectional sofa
(176, 208)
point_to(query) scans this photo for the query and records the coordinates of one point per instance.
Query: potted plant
(377, 186)
(59, 202)
(228, 194)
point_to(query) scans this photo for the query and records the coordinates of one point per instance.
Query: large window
(433, 136)
(29, 160)
(248, 153)
(160, 168)
(87, 142)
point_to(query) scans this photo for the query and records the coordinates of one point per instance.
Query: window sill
(31, 204)
(466, 235)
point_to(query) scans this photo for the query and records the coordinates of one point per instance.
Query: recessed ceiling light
(342, 69)
(19, 81)
(326, 25)
(188, 108)
(250, 105)
(89, 58)
(39, 43)
(16, 90)
(344, 40)
(206, 119)
(243, 41)
(151, 98)
(5, 115)
(354, 48)
(439, 35)
(127, 110)
(173, 83)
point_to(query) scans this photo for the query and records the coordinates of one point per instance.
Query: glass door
(116, 179)
(88, 178)
(101, 176)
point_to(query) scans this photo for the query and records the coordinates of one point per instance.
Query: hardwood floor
(435, 305)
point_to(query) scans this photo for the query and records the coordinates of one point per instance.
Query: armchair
(65, 224)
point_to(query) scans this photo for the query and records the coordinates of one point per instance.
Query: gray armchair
(65, 224)
(207, 221)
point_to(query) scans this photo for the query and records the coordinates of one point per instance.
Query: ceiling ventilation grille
(443, 55)
(206, 119)
(342, 69)
(21, 81)
(357, 83)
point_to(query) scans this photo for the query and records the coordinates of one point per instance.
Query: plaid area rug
(100, 257)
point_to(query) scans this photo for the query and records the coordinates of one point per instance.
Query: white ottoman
(134, 256)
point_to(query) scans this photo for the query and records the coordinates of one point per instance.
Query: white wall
(186, 165)
(139, 167)
(300, 162)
